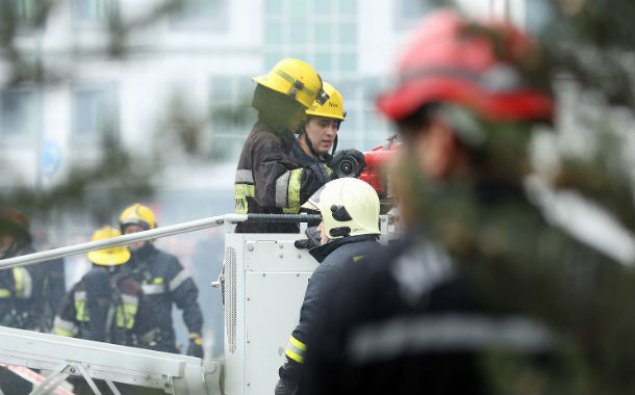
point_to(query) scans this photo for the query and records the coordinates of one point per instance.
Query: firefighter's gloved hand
(195, 348)
(348, 163)
(289, 376)
(312, 240)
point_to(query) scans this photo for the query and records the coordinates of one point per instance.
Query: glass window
(209, 15)
(348, 34)
(95, 113)
(348, 61)
(324, 61)
(221, 90)
(324, 7)
(298, 8)
(410, 11)
(300, 53)
(22, 13)
(347, 7)
(92, 11)
(19, 115)
(273, 33)
(323, 33)
(232, 118)
(273, 7)
(298, 32)
(271, 58)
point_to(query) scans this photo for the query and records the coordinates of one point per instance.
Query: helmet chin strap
(334, 145)
(310, 143)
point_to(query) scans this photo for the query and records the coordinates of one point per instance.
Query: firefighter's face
(6, 240)
(134, 229)
(435, 148)
(322, 132)
(323, 236)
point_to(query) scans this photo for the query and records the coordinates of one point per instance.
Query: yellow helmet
(349, 207)
(332, 108)
(108, 256)
(137, 214)
(294, 78)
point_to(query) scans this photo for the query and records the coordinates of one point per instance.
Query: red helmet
(481, 66)
(16, 223)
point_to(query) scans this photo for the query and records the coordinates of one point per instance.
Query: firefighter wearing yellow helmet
(164, 281)
(107, 304)
(349, 231)
(319, 132)
(269, 179)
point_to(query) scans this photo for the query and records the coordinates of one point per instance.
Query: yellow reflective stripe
(295, 350)
(158, 280)
(26, 290)
(5, 293)
(81, 313)
(64, 328)
(18, 277)
(62, 332)
(287, 77)
(297, 343)
(329, 171)
(178, 280)
(127, 312)
(241, 193)
(293, 192)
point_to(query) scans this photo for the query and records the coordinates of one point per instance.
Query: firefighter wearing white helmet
(349, 231)
(269, 179)
(107, 304)
(165, 281)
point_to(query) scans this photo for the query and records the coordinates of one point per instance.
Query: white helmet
(349, 207)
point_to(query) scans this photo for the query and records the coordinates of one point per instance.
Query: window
(232, 115)
(95, 114)
(363, 127)
(323, 33)
(93, 12)
(20, 114)
(410, 12)
(206, 15)
(23, 13)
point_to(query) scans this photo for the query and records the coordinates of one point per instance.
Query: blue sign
(51, 157)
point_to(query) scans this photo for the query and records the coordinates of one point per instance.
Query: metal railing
(163, 231)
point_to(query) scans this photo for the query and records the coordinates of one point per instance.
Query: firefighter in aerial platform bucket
(317, 136)
(493, 289)
(349, 230)
(269, 179)
(165, 281)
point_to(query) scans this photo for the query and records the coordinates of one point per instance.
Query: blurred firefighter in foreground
(107, 304)
(482, 295)
(164, 281)
(268, 178)
(349, 229)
